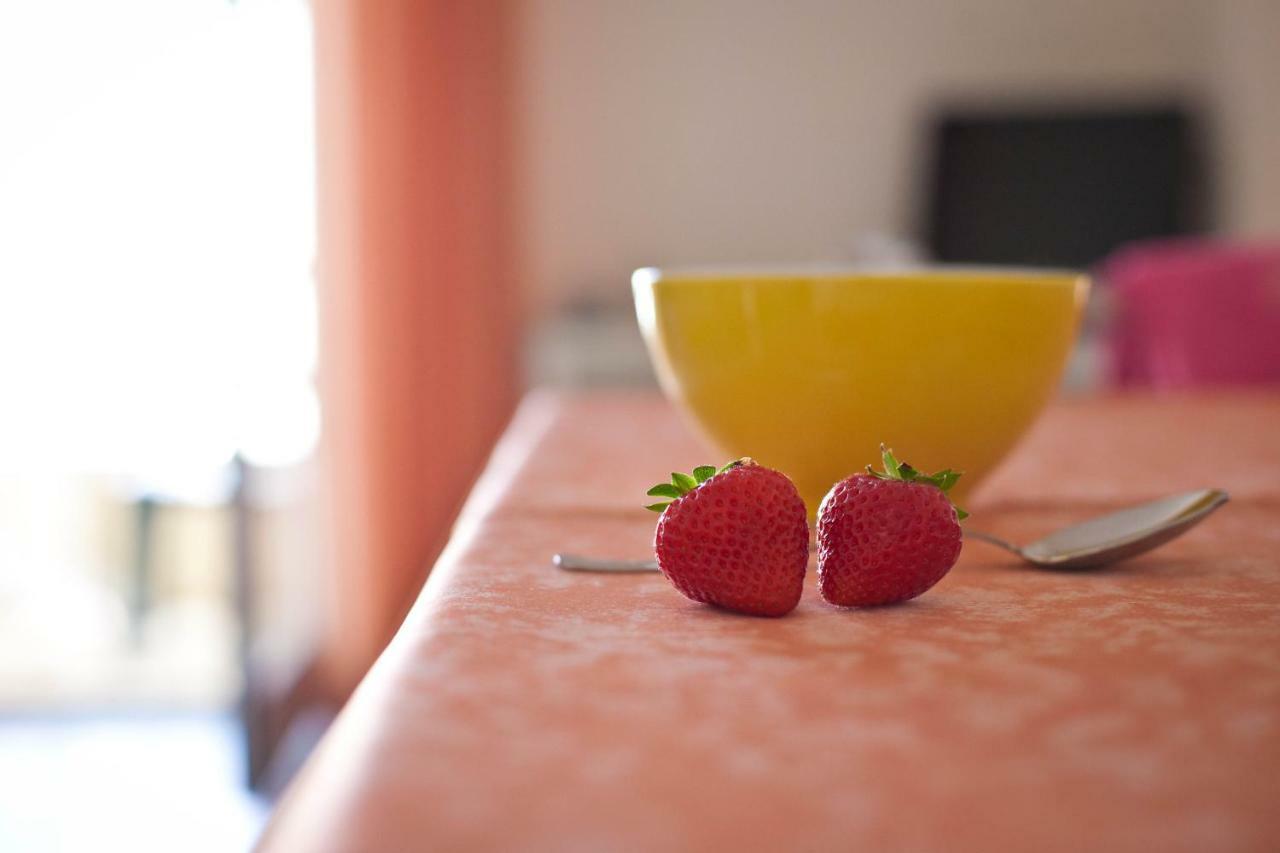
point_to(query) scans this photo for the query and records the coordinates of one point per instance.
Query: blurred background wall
(717, 131)
(612, 135)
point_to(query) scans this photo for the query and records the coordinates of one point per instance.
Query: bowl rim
(710, 273)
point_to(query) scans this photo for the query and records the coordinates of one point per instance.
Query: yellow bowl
(808, 372)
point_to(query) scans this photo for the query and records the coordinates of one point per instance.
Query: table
(525, 708)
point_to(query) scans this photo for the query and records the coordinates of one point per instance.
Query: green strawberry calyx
(682, 484)
(895, 470)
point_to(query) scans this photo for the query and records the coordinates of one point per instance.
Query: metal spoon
(1096, 542)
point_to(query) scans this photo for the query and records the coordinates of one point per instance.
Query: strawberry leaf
(895, 470)
(891, 466)
(683, 482)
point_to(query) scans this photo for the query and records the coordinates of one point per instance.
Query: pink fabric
(1195, 313)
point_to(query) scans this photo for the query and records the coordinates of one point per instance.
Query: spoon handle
(579, 563)
(992, 540)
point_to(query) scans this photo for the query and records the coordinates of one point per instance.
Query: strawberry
(737, 538)
(886, 537)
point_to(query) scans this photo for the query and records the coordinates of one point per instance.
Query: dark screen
(1061, 188)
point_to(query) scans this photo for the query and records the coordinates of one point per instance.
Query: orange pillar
(419, 314)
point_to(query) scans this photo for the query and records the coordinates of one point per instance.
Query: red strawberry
(737, 538)
(886, 537)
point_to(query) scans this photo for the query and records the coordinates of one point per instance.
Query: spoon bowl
(1117, 536)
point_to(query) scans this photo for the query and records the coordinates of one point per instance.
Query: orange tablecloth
(524, 708)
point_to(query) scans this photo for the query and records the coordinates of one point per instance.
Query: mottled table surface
(525, 708)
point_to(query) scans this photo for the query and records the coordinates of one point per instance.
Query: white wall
(680, 131)
(1245, 79)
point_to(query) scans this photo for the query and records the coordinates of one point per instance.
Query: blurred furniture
(283, 705)
(1060, 186)
(1191, 313)
(522, 708)
(589, 344)
(211, 485)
